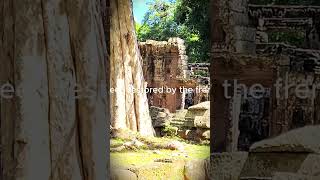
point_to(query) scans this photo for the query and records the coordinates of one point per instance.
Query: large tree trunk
(129, 108)
(46, 48)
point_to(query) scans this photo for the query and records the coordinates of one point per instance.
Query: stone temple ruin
(199, 72)
(165, 65)
(243, 52)
(275, 135)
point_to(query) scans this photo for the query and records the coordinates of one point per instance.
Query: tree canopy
(187, 19)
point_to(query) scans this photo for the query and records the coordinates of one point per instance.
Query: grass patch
(139, 158)
(146, 156)
(198, 151)
(161, 171)
(116, 142)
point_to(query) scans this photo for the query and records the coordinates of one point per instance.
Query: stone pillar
(230, 34)
(183, 99)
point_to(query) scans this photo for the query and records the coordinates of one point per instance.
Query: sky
(140, 7)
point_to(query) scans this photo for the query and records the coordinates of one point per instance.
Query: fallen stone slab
(296, 153)
(302, 140)
(200, 115)
(123, 174)
(263, 165)
(255, 166)
(201, 106)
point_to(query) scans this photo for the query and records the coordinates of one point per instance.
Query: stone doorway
(253, 120)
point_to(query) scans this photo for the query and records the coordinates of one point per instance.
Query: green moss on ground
(156, 151)
(116, 142)
(198, 151)
(153, 160)
(137, 158)
(160, 171)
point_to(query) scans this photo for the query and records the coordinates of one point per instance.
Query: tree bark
(47, 48)
(128, 101)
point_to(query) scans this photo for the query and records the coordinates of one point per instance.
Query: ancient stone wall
(165, 65)
(231, 31)
(302, 19)
(244, 53)
(231, 35)
(199, 72)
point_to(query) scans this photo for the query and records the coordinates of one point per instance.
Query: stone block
(206, 135)
(245, 33)
(160, 116)
(195, 170)
(245, 47)
(202, 121)
(302, 140)
(123, 174)
(238, 5)
(227, 166)
(239, 18)
(311, 165)
(265, 164)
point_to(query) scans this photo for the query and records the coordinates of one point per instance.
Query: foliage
(170, 130)
(201, 73)
(187, 19)
(295, 38)
(116, 142)
(194, 14)
(158, 23)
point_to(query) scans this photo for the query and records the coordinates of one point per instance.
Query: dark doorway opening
(253, 121)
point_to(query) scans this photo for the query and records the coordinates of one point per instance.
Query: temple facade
(262, 86)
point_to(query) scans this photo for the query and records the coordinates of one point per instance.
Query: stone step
(180, 113)
(176, 124)
(178, 121)
(181, 122)
(181, 125)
